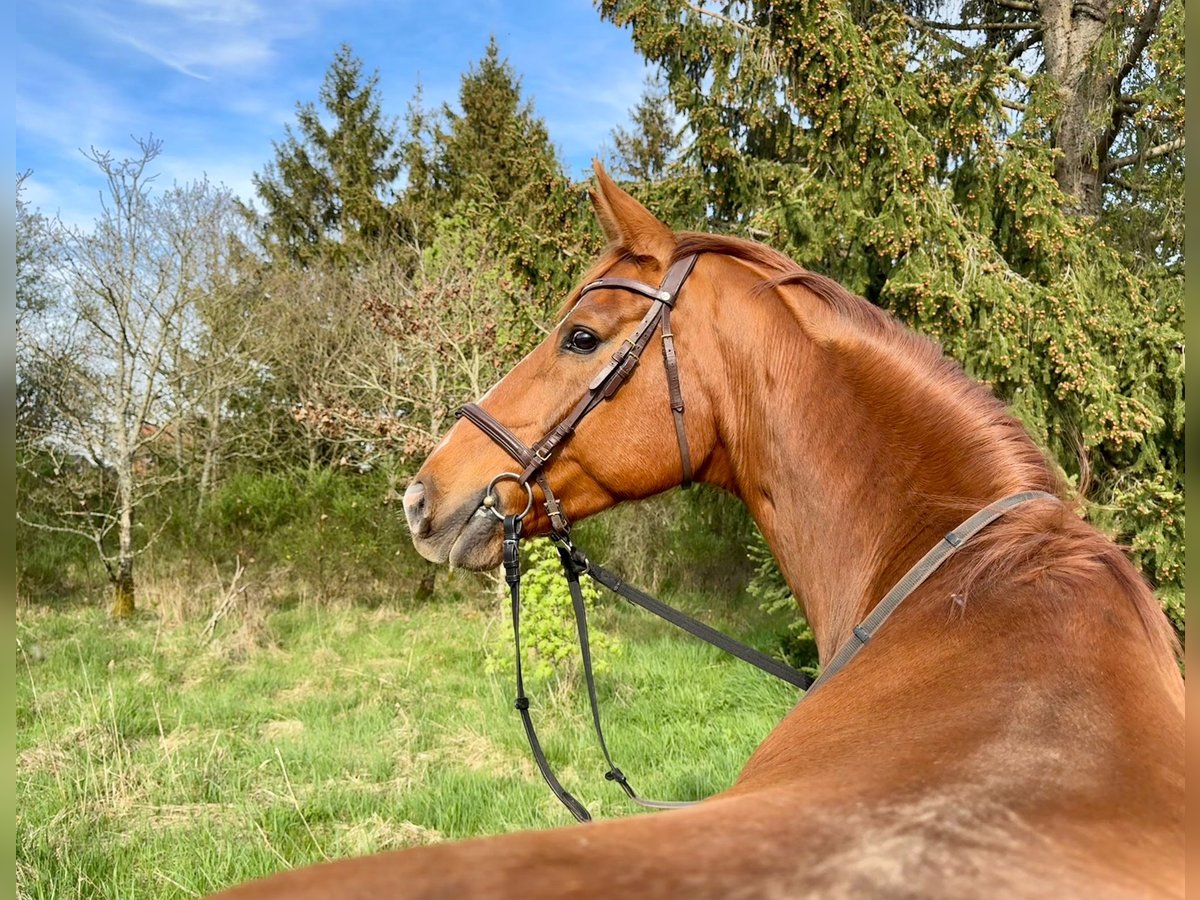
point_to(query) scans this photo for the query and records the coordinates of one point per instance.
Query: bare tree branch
(1145, 30)
(131, 285)
(1133, 159)
(931, 29)
(732, 23)
(976, 26)
(1137, 46)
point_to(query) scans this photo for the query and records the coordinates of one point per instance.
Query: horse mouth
(469, 538)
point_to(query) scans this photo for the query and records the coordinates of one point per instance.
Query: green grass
(153, 762)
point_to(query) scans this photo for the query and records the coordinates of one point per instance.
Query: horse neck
(855, 452)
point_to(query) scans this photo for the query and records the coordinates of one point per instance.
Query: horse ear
(627, 224)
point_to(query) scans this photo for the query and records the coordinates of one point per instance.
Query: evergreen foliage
(492, 146)
(870, 152)
(652, 143)
(489, 167)
(329, 191)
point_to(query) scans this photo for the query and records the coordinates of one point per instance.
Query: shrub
(548, 638)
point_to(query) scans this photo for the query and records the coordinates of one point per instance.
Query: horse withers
(1014, 730)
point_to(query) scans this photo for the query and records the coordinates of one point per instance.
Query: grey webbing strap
(916, 576)
(575, 563)
(512, 575)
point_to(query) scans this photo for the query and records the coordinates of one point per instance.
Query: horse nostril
(414, 496)
(414, 507)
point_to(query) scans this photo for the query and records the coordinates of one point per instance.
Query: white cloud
(221, 13)
(64, 105)
(201, 38)
(173, 35)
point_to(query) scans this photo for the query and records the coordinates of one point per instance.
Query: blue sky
(217, 80)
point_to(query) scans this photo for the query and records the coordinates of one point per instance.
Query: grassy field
(155, 761)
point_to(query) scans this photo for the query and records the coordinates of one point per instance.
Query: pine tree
(329, 191)
(485, 173)
(921, 167)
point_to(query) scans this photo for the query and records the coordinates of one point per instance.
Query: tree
(329, 191)
(311, 325)
(114, 349)
(214, 369)
(912, 159)
(1111, 73)
(489, 167)
(494, 145)
(33, 296)
(646, 150)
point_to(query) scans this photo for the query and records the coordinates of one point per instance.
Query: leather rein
(534, 460)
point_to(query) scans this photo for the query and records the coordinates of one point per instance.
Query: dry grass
(377, 834)
(282, 730)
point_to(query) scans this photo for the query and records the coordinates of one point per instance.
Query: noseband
(533, 461)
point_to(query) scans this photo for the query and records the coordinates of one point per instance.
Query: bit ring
(490, 498)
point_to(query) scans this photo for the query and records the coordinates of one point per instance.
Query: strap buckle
(512, 550)
(571, 554)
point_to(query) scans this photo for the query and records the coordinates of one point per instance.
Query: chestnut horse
(1015, 729)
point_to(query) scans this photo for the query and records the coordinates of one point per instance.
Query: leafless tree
(116, 347)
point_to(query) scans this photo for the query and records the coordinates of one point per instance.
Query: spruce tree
(328, 194)
(484, 173)
(491, 146)
(651, 144)
(915, 160)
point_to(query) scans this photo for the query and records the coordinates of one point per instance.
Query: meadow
(156, 758)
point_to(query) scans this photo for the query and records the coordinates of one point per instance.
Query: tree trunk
(123, 605)
(208, 470)
(1072, 31)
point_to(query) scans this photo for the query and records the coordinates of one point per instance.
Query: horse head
(627, 448)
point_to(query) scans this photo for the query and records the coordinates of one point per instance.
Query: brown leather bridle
(620, 367)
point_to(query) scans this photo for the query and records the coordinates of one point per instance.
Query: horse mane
(1024, 544)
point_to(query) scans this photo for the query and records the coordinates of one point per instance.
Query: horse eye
(582, 341)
